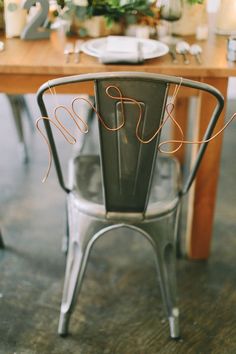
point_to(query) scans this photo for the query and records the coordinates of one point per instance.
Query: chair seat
(86, 182)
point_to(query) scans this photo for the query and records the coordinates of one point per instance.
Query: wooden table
(25, 65)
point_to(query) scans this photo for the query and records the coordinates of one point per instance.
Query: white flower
(80, 2)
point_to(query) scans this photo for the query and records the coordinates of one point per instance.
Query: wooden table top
(45, 57)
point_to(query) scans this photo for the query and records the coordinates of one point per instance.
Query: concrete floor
(119, 309)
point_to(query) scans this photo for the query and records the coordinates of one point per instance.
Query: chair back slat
(127, 163)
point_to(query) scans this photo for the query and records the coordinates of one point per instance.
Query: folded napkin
(121, 49)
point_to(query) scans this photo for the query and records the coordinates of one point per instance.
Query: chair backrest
(127, 164)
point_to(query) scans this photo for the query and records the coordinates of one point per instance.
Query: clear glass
(170, 10)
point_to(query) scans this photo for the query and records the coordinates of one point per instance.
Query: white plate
(150, 48)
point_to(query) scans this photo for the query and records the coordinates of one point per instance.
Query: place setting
(131, 50)
(124, 49)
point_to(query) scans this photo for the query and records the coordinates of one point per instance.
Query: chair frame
(164, 246)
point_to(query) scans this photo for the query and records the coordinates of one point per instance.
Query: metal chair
(128, 184)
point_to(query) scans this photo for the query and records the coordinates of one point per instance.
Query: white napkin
(121, 49)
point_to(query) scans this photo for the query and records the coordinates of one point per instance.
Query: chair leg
(65, 238)
(167, 275)
(77, 255)
(179, 242)
(1, 241)
(75, 267)
(82, 228)
(163, 235)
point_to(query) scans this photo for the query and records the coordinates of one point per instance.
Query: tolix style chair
(127, 183)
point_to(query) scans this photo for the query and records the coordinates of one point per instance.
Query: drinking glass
(170, 10)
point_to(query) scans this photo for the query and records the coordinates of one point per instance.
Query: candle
(143, 32)
(202, 32)
(15, 18)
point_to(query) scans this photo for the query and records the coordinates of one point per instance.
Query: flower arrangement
(112, 10)
(145, 12)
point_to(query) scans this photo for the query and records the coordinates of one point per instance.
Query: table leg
(202, 196)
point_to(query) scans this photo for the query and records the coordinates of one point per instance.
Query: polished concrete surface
(119, 309)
